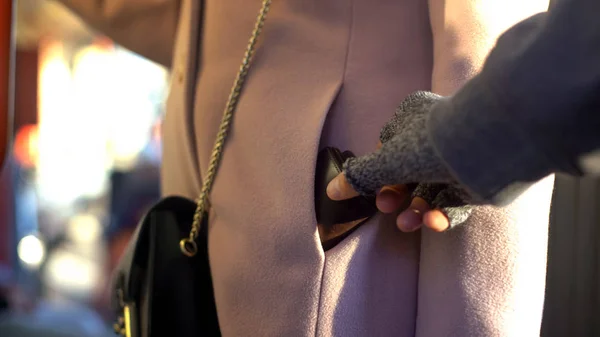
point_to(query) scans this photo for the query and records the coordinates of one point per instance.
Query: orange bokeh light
(26, 146)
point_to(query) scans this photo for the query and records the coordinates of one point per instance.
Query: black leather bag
(159, 291)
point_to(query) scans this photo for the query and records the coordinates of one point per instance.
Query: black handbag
(158, 290)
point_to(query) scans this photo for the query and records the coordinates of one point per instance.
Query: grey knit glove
(407, 156)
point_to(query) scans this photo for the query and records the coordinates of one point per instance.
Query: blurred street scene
(83, 168)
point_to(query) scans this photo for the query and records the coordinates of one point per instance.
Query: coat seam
(344, 72)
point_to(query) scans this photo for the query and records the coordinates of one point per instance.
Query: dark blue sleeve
(534, 108)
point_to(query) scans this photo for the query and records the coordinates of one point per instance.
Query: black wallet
(330, 162)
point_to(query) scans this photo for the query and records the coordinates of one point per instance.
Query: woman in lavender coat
(330, 73)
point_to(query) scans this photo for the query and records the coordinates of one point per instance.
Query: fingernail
(409, 220)
(333, 189)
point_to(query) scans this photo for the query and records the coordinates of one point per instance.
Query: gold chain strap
(188, 245)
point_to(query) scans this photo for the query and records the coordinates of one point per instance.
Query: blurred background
(84, 167)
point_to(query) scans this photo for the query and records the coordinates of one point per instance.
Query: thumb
(340, 189)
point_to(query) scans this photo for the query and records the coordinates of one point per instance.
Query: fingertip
(333, 190)
(340, 189)
(409, 220)
(436, 220)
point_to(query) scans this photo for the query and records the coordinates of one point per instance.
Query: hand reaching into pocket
(406, 156)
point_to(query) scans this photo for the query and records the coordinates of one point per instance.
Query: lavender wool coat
(331, 72)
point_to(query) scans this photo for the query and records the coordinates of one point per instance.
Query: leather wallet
(330, 162)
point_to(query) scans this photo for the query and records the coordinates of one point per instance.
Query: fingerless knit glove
(408, 156)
